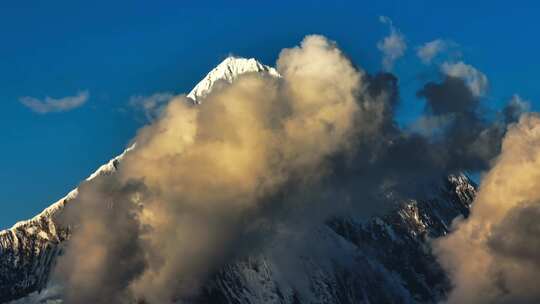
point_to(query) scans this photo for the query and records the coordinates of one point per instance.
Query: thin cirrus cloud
(429, 50)
(50, 105)
(392, 46)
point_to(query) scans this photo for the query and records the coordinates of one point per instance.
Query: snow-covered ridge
(228, 71)
(58, 205)
(28, 249)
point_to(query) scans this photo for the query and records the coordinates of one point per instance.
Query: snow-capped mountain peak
(28, 249)
(391, 263)
(228, 70)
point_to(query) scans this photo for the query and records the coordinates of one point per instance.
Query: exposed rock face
(26, 257)
(29, 248)
(389, 258)
(392, 258)
(392, 261)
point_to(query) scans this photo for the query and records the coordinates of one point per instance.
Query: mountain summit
(390, 262)
(27, 249)
(228, 70)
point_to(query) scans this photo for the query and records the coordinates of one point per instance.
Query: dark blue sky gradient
(116, 49)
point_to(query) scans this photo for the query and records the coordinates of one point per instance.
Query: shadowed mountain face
(385, 259)
(389, 259)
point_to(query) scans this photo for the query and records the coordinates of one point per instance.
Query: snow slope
(27, 249)
(228, 71)
(390, 259)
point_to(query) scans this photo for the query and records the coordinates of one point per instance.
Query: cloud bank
(189, 197)
(49, 105)
(261, 159)
(492, 257)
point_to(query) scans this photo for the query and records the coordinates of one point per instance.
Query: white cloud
(392, 46)
(476, 80)
(429, 50)
(151, 105)
(49, 104)
(492, 256)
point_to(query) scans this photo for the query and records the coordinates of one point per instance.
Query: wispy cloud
(152, 105)
(392, 46)
(50, 104)
(429, 50)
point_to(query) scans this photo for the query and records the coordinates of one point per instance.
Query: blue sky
(116, 49)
